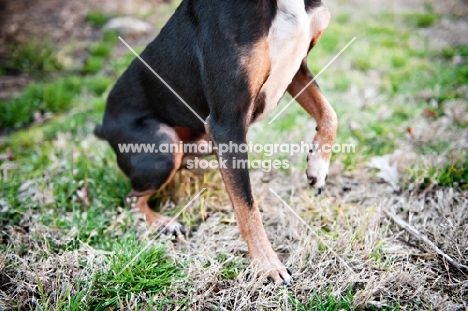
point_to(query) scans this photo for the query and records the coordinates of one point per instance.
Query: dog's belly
(289, 39)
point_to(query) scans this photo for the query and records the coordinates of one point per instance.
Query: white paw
(317, 170)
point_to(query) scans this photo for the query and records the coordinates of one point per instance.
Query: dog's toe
(275, 271)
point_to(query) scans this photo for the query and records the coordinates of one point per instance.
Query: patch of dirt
(55, 22)
(448, 33)
(59, 21)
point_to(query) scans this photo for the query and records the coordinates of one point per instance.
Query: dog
(231, 61)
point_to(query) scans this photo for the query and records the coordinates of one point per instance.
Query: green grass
(150, 273)
(34, 57)
(93, 64)
(421, 20)
(453, 174)
(100, 49)
(327, 302)
(97, 18)
(317, 302)
(54, 97)
(232, 267)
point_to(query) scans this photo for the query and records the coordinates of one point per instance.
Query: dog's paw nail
(287, 283)
(326, 177)
(313, 181)
(319, 191)
(289, 271)
(269, 280)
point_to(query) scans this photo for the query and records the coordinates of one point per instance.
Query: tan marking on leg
(315, 40)
(251, 228)
(257, 65)
(313, 101)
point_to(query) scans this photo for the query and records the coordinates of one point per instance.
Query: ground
(67, 239)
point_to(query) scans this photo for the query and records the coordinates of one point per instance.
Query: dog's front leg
(234, 171)
(313, 101)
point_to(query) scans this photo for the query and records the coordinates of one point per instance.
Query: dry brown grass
(379, 262)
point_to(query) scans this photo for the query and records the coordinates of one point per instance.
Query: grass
(34, 57)
(50, 97)
(65, 233)
(55, 94)
(318, 303)
(149, 274)
(232, 267)
(328, 302)
(97, 18)
(421, 20)
(100, 49)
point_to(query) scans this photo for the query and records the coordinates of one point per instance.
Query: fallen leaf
(429, 113)
(387, 171)
(354, 126)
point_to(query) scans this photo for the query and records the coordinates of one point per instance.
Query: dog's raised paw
(317, 171)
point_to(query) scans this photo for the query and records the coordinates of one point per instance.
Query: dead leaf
(429, 113)
(354, 126)
(387, 171)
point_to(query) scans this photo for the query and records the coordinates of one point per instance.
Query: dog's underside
(231, 61)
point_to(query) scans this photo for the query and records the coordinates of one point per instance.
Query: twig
(420, 236)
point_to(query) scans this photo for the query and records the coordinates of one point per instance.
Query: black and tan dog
(231, 61)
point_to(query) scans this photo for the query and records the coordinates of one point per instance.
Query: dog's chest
(288, 40)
